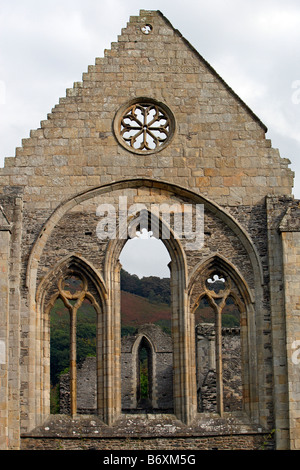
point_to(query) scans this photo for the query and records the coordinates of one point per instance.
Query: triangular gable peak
(213, 71)
(146, 23)
(212, 143)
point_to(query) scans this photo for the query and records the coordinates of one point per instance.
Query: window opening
(144, 126)
(147, 29)
(59, 350)
(72, 339)
(146, 309)
(231, 356)
(218, 348)
(86, 326)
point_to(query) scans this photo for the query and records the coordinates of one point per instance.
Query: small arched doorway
(145, 375)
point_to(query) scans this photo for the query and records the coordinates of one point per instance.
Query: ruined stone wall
(217, 151)
(163, 379)
(206, 368)
(192, 444)
(86, 388)
(162, 395)
(161, 368)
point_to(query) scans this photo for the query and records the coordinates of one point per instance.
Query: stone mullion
(182, 392)
(192, 365)
(100, 364)
(219, 362)
(5, 237)
(112, 348)
(73, 369)
(116, 344)
(218, 308)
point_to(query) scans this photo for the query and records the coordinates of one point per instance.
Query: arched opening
(146, 309)
(145, 283)
(73, 330)
(71, 299)
(220, 311)
(184, 359)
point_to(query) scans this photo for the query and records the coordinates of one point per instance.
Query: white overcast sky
(254, 45)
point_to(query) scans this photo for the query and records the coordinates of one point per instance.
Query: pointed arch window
(218, 312)
(74, 297)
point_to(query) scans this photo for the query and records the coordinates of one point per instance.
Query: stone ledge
(144, 426)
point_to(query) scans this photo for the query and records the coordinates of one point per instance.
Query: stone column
(276, 208)
(4, 328)
(73, 365)
(290, 236)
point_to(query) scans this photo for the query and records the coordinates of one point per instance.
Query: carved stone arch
(184, 401)
(70, 203)
(246, 304)
(172, 244)
(47, 293)
(71, 261)
(185, 398)
(139, 339)
(217, 262)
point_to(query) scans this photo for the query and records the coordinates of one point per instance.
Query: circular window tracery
(72, 286)
(217, 285)
(144, 126)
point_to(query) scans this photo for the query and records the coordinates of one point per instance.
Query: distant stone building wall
(86, 388)
(160, 371)
(206, 368)
(161, 381)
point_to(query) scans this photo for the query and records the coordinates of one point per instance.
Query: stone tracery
(219, 157)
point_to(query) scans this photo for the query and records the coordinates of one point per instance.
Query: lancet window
(78, 311)
(218, 345)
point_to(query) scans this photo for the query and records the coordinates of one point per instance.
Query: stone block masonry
(153, 121)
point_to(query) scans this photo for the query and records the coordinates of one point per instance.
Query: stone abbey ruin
(150, 126)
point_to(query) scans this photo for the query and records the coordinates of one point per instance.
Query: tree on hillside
(153, 288)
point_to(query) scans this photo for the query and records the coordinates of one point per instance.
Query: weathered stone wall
(163, 373)
(218, 156)
(192, 444)
(161, 382)
(86, 388)
(141, 432)
(206, 368)
(219, 146)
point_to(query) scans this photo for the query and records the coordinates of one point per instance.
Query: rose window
(144, 127)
